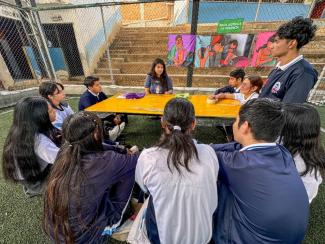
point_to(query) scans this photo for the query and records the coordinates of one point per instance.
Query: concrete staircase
(134, 49)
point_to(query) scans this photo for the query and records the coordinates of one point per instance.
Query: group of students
(256, 189)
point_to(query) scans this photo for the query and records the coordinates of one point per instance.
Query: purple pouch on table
(134, 95)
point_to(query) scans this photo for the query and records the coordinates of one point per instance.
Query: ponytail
(178, 119)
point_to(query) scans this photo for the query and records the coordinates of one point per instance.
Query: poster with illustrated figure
(235, 50)
(262, 52)
(202, 47)
(181, 50)
(208, 51)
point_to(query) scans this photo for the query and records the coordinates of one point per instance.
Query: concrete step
(123, 44)
(106, 70)
(320, 60)
(143, 68)
(178, 79)
(139, 49)
(148, 50)
(155, 29)
(135, 57)
(132, 44)
(315, 45)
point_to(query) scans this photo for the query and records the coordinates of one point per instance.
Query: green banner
(230, 26)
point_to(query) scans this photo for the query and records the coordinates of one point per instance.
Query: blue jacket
(261, 196)
(87, 99)
(225, 89)
(104, 193)
(291, 85)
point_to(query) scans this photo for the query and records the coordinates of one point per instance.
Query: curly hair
(300, 29)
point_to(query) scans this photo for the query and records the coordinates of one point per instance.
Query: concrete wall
(89, 31)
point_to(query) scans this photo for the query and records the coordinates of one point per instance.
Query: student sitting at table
(94, 93)
(54, 93)
(236, 78)
(31, 145)
(113, 124)
(261, 196)
(90, 185)
(301, 136)
(181, 177)
(249, 89)
(157, 80)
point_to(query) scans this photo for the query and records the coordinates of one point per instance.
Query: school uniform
(226, 89)
(46, 151)
(241, 97)
(290, 83)
(155, 86)
(63, 111)
(104, 194)
(261, 196)
(89, 98)
(311, 182)
(181, 206)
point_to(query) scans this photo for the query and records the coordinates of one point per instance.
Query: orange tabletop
(154, 104)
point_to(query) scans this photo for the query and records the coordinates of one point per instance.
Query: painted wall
(211, 12)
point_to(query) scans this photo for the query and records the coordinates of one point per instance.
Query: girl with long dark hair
(31, 145)
(181, 178)
(90, 184)
(54, 93)
(301, 136)
(157, 80)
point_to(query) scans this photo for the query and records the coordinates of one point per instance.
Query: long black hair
(30, 118)
(301, 134)
(82, 134)
(163, 76)
(179, 117)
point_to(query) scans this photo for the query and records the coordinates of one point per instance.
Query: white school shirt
(183, 205)
(292, 62)
(309, 180)
(61, 115)
(45, 151)
(241, 98)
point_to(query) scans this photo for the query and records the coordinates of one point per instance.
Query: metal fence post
(258, 10)
(311, 8)
(42, 41)
(107, 49)
(195, 16)
(314, 90)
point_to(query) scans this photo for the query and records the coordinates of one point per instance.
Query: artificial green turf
(20, 217)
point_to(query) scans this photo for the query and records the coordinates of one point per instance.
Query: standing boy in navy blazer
(261, 196)
(293, 77)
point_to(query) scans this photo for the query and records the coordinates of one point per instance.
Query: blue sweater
(105, 193)
(291, 85)
(261, 196)
(87, 99)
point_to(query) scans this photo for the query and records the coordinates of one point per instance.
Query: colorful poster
(235, 50)
(202, 49)
(181, 50)
(262, 53)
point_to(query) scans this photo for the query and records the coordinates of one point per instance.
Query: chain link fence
(118, 40)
